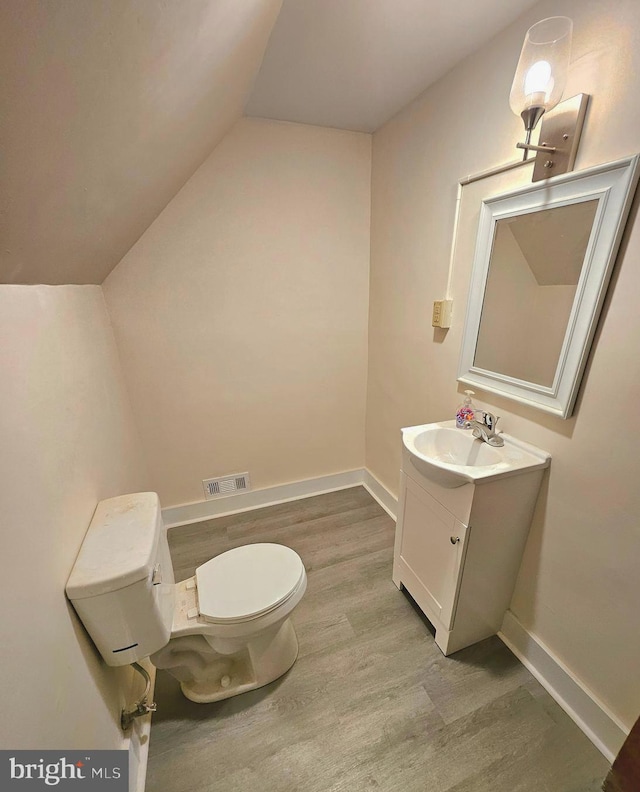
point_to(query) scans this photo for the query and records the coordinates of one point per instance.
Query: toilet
(220, 633)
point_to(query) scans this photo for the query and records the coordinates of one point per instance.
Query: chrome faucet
(485, 429)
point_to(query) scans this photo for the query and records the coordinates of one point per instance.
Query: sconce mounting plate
(560, 129)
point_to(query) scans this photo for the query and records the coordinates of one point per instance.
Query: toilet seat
(248, 582)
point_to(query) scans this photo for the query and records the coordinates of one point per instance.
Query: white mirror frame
(613, 185)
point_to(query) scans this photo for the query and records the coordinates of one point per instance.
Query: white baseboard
(600, 725)
(270, 496)
(380, 493)
(257, 499)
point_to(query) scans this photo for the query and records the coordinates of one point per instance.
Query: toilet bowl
(231, 629)
(222, 632)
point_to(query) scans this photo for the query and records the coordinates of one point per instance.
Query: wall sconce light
(537, 88)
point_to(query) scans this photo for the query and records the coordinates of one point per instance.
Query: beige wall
(68, 440)
(577, 589)
(241, 314)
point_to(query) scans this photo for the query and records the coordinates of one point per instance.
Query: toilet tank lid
(120, 545)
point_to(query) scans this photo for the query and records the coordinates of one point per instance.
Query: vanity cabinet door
(433, 546)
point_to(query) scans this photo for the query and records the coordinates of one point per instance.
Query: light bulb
(541, 75)
(538, 84)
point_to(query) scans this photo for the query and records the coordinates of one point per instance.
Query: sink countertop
(452, 457)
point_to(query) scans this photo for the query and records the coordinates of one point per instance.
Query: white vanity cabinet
(458, 549)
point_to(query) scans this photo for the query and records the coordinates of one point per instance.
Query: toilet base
(265, 658)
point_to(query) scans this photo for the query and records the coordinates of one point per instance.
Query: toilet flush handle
(156, 577)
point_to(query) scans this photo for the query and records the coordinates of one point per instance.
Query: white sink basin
(452, 457)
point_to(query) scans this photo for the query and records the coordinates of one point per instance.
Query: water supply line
(142, 706)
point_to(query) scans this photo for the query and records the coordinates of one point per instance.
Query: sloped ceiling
(353, 64)
(107, 107)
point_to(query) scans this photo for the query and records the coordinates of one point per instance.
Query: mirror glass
(543, 260)
(535, 265)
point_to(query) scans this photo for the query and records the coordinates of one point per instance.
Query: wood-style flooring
(371, 703)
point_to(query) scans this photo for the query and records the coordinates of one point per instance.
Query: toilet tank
(121, 584)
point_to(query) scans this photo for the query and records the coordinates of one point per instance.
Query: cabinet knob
(454, 539)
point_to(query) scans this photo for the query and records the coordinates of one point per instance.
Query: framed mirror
(543, 260)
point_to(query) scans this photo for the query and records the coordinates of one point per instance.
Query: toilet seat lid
(248, 581)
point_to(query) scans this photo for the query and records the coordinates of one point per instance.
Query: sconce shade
(541, 75)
